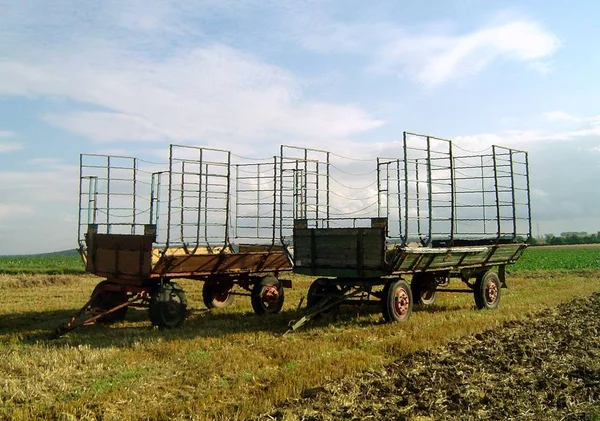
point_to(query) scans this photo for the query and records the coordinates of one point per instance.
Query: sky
(130, 77)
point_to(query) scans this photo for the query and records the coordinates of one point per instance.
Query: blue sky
(131, 76)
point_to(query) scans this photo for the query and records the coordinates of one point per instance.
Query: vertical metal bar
(399, 199)
(378, 190)
(108, 195)
(297, 192)
(258, 201)
(237, 201)
(429, 188)
(170, 195)
(91, 204)
(199, 213)
(182, 203)
(406, 203)
(95, 208)
(498, 225)
(134, 194)
(273, 223)
(158, 189)
(512, 188)
(528, 196)
(305, 187)
(328, 197)
(227, 199)
(81, 201)
(152, 194)
(387, 188)
(281, 193)
(483, 195)
(418, 188)
(317, 165)
(452, 194)
(206, 206)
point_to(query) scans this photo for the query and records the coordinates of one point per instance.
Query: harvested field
(547, 367)
(228, 364)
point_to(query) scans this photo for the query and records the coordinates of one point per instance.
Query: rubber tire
(168, 306)
(388, 302)
(209, 299)
(481, 286)
(256, 300)
(107, 300)
(418, 285)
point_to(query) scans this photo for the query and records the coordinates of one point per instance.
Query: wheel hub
(401, 302)
(270, 295)
(491, 292)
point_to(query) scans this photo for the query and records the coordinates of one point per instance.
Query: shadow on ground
(36, 327)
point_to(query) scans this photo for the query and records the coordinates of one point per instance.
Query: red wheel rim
(270, 296)
(401, 302)
(491, 292)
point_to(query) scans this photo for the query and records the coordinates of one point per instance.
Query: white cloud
(107, 127)
(560, 116)
(433, 56)
(15, 209)
(436, 59)
(211, 94)
(583, 127)
(7, 146)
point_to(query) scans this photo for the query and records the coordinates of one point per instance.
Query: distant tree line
(569, 238)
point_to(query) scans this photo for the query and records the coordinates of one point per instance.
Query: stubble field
(231, 364)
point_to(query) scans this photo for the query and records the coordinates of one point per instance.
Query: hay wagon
(442, 213)
(201, 216)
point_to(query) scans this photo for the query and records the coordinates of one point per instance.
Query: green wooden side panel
(361, 252)
(339, 251)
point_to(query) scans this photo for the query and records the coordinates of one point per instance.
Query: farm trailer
(442, 213)
(201, 216)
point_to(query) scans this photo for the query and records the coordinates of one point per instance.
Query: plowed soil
(545, 367)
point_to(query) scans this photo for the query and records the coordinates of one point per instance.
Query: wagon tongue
(322, 306)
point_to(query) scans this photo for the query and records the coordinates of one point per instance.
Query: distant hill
(62, 253)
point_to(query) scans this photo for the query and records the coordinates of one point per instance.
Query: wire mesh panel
(416, 190)
(114, 194)
(327, 190)
(512, 189)
(255, 202)
(438, 194)
(303, 187)
(198, 198)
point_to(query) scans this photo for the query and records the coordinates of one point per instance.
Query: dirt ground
(546, 367)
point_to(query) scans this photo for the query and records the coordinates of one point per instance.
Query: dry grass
(228, 364)
(31, 280)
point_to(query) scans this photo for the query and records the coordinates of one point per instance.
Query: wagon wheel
(397, 301)
(216, 294)
(423, 289)
(267, 296)
(487, 291)
(320, 290)
(104, 298)
(167, 306)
